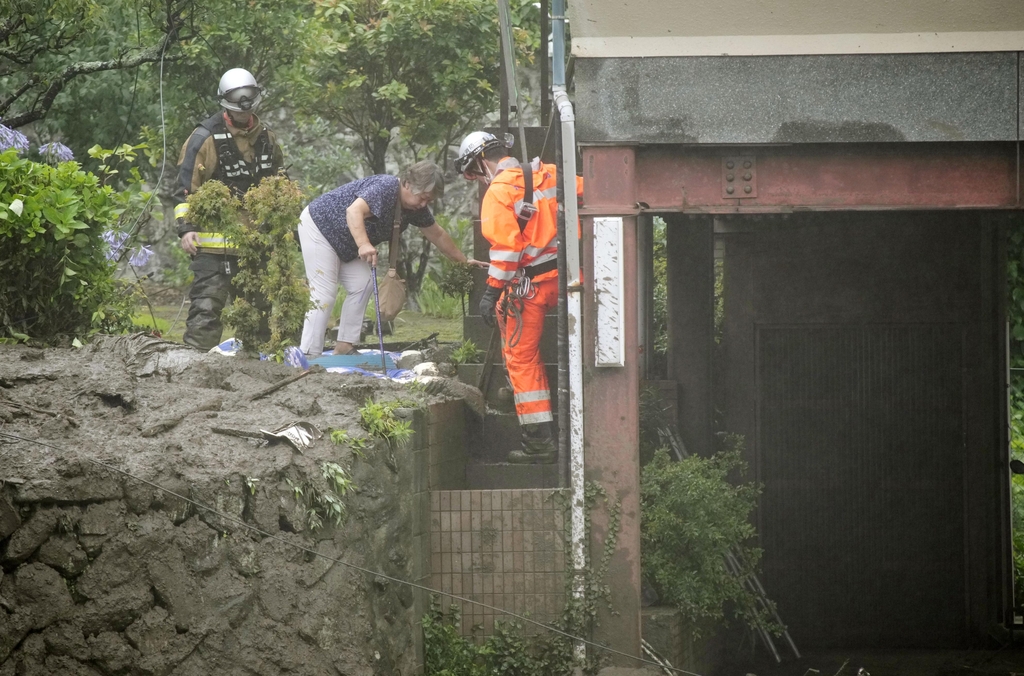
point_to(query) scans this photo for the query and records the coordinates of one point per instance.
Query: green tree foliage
(693, 518)
(45, 45)
(427, 67)
(88, 72)
(58, 281)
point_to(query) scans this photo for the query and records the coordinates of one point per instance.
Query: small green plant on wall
(379, 420)
(466, 353)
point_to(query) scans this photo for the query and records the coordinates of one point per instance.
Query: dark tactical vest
(232, 169)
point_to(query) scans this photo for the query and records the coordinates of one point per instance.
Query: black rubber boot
(538, 446)
(211, 291)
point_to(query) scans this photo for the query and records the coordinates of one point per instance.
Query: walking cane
(380, 333)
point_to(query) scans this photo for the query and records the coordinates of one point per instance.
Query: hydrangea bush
(58, 281)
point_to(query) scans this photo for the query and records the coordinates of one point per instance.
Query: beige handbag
(392, 287)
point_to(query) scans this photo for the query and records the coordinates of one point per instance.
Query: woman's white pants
(325, 271)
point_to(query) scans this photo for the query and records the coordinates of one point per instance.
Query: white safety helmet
(474, 145)
(238, 91)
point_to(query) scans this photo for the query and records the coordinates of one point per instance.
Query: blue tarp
(335, 364)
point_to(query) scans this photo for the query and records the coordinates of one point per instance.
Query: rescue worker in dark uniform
(237, 149)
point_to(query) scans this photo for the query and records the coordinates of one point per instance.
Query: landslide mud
(102, 574)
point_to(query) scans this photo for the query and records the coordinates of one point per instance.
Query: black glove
(487, 303)
(183, 227)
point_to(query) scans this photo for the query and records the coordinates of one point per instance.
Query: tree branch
(43, 104)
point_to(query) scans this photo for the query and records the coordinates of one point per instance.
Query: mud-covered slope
(101, 574)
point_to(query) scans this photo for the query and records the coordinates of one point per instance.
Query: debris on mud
(102, 573)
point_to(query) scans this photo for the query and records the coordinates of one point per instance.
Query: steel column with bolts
(611, 417)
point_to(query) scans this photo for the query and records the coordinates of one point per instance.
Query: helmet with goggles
(474, 146)
(239, 91)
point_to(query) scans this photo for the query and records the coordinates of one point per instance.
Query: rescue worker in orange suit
(236, 148)
(522, 280)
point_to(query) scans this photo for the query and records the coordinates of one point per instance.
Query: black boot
(538, 446)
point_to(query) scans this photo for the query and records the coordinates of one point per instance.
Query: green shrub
(1015, 320)
(1017, 486)
(509, 651)
(57, 280)
(692, 518)
(272, 293)
(456, 281)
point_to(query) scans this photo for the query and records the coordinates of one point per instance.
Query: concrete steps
(491, 442)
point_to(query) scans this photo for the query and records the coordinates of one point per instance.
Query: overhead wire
(352, 566)
(133, 230)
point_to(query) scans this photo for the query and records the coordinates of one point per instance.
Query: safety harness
(521, 286)
(232, 169)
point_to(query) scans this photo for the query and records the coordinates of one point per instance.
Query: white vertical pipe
(576, 476)
(575, 319)
(574, 304)
(568, 169)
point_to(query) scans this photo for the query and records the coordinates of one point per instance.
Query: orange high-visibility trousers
(523, 361)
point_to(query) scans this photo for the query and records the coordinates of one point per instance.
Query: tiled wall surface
(503, 548)
(438, 460)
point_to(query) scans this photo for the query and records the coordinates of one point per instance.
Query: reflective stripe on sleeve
(213, 240)
(499, 274)
(507, 256)
(181, 210)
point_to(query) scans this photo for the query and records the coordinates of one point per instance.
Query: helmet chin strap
(487, 172)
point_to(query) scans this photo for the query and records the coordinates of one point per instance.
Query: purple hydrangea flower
(140, 256)
(115, 242)
(12, 138)
(56, 152)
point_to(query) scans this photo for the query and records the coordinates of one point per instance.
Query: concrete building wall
(741, 27)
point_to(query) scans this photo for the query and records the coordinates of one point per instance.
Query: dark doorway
(860, 358)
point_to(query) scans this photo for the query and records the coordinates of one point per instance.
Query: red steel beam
(806, 177)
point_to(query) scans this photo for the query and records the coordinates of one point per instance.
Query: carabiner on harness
(519, 289)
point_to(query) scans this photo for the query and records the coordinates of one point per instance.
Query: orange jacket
(512, 249)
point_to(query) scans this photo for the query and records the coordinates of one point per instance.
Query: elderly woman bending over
(339, 232)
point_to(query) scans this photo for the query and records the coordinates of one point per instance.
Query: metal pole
(505, 23)
(380, 333)
(563, 327)
(545, 30)
(569, 244)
